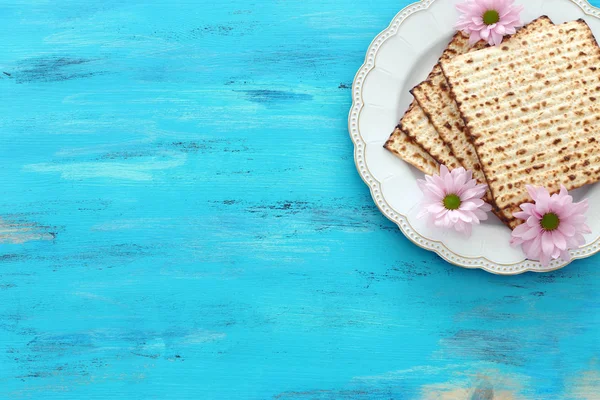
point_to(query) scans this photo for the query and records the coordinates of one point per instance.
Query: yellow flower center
(452, 202)
(550, 221)
(491, 17)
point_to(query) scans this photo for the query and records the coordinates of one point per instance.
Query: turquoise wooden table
(181, 219)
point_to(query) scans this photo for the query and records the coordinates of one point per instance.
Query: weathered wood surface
(181, 219)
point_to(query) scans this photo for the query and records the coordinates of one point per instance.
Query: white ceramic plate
(398, 59)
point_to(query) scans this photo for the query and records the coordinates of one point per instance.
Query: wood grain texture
(181, 219)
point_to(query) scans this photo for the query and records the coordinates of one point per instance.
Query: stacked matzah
(418, 128)
(525, 112)
(531, 107)
(416, 137)
(404, 147)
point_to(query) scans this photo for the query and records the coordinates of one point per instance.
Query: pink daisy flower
(554, 224)
(488, 20)
(453, 200)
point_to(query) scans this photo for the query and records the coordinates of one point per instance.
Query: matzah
(531, 108)
(401, 145)
(417, 126)
(434, 98)
(442, 153)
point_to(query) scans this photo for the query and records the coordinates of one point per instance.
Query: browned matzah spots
(546, 96)
(417, 126)
(434, 97)
(401, 145)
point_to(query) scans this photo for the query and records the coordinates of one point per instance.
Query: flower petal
(443, 171)
(547, 243)
(480, 214)
(585, 229)
(566, 229)
(532, 233)
(474, 193)
(464, 7)
(542, 204)
(520, 230)
(448, 184)
(436, 208)
(544, 259)
(521, 215)
(471, 204)
(534, 248)
(580, 239)
(453, 215)
(474, 37)
(477, 20)
(533, 221)
(485, 33)
(466, 217)
(559, 240)
(532, 192)
(460, 178)
(496, 38)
